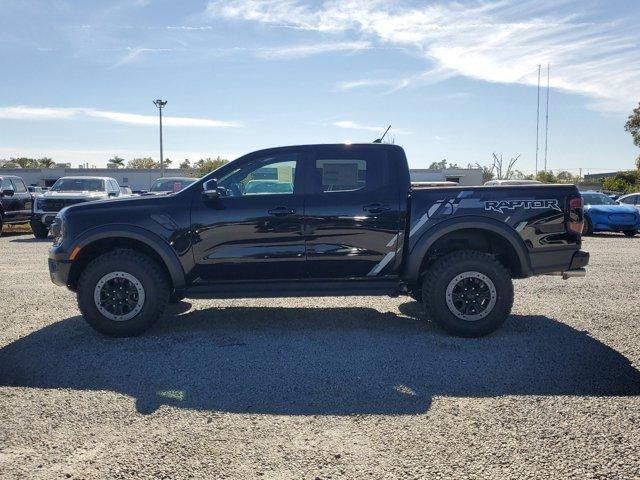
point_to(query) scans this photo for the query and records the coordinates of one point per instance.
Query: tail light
(576, 215)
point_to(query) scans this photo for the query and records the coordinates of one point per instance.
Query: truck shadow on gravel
(315, 361)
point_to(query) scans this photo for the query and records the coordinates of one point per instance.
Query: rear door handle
(282, 211)
(376, 208)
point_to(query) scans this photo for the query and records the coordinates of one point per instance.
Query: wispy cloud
(300, 51)
(52, 113)
(499, 41)
(351, 125)
(138, 52)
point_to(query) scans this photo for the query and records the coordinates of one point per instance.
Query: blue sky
(456, 80)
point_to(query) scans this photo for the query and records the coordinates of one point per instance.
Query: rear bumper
(558, 260)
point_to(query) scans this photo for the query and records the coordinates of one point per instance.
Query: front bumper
(59, 271)
(46, 218)
(59, 265)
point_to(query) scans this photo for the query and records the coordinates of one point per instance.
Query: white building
(141, 179)
(463, 176)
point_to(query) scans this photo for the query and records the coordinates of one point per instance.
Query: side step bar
(300, 288)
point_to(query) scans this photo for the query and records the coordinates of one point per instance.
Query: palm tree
(117, 161)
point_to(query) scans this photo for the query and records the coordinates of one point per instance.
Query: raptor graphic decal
(502, 205)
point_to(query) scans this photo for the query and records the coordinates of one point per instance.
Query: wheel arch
(104, 239)
(482, 234)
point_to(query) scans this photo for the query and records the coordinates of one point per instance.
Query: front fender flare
(433, 234)
(150, 239)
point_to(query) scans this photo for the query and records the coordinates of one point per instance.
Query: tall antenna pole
(160, 104)
(538, 121)
(546, 126)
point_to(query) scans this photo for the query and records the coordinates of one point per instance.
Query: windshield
(78, 185)
(597, 199)
(171, 185)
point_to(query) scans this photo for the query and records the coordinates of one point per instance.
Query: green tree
(443, 165)
(167, 162)
(546, 177)
(142, 163)
(46, 163)
(117, 161)
(633, 125)
(206, 165)
(25, 162)
(566, 177)
(626, 182)
(186, 165)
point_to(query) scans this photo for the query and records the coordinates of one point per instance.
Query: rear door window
(18, 185)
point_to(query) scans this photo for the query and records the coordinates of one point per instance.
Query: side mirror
(210, 190)
(8, 192)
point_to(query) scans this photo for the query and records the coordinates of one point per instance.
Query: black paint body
(375, 234)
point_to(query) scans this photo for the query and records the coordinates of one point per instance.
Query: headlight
(57, 230)
(38, 204)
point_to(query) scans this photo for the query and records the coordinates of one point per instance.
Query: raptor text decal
(502, 205)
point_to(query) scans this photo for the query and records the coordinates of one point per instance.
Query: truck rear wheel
(122, 293)
(468, 293)
(630, 233)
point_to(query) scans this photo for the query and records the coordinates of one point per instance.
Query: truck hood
(64, 195)
(608, 209)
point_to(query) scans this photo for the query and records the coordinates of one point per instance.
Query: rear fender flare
(433, 234)
(150, 239)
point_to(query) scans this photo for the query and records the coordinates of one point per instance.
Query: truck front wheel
(122, 293)
(39, 229)
(468, 293)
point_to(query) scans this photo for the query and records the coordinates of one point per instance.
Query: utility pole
(538, 121)
(160, 104)
(546, 127)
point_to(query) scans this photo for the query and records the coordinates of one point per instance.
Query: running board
(298, 288)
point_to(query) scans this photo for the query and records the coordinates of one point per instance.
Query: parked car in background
(632, 199)
(125, 191)
(34, 190)
(15, 201)
(69, 191)
(165, 185)
(602, 214)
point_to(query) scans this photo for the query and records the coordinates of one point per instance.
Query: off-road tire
(630, 233)
(145, 270)
(445, 270)
(587, 228)
(39, 229)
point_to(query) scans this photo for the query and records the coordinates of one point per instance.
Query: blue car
(602, 214)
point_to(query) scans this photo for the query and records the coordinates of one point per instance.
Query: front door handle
(376, 208)
(282, 211)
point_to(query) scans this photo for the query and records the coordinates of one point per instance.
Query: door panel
(353, 214)
(253, 231)
(9, 202)
(23, 199)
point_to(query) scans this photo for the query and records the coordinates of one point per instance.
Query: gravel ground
(324, 388)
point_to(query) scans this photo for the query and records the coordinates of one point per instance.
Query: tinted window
(341, 175)
(597, 199)
(79, 185)
(171, 185)
(6, 184)
(630, 200)
(265, 176)
(19, 186)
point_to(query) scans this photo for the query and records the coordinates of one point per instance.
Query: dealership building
(141, 179)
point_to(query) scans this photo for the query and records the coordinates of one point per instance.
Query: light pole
(160, 104)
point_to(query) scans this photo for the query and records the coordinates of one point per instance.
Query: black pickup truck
(317, 220)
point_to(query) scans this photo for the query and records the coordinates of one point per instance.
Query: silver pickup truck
(69, 191)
